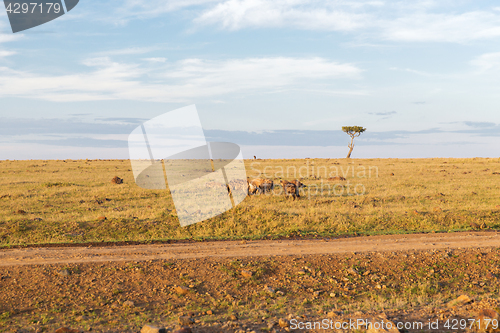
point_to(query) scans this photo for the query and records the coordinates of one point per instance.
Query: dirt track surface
(224, 249)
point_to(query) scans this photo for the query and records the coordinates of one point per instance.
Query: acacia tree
(353, 132)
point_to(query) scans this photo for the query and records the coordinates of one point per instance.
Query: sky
(280, 78)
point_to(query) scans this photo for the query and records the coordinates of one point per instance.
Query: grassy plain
(67, 201)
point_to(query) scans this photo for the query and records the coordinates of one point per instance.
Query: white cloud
(302, 14)
(454, 28)
(126, 10)
(128, 51)
(416, 21)
(4, 38)
(6, 53)
(487, 62)
(159, 59)
(9, 38)
(177, 82)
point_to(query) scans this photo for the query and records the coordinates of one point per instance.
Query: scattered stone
(185, 321)
(117, 180)
(64, 272)
(182, 290)
(246, 273)
(269, 289)
(128, 304)
(485, 320)
(210, 312)
(153, 329)
(461, 300)
(340, 178)
(283, 323)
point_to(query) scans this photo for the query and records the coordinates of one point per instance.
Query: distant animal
(260, 185)
(336, 178)
(254, 157)
(117, 180)
(290, 189)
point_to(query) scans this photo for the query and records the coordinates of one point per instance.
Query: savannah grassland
(74, 201)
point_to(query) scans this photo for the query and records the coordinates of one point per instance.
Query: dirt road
(221, 249)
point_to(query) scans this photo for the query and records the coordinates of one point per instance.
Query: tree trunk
(350, 151)
(351, 147)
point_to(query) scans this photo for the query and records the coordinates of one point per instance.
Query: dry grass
(62, 201)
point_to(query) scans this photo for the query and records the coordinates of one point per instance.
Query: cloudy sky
(278, 77)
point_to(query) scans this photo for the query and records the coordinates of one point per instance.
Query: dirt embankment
(251, 286)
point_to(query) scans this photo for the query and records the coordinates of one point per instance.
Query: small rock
(461, 300)
(210, 312)
(352, 271)
(117, 180)
(128, 304)
(181, 290)
(283, 323)
(301, 272)
(333, 294)
(153, 329)
(64, 272)
(185, 321)
(487, 316)
(269, 289)
(246, 273)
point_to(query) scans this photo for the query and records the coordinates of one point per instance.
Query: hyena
(290, 188)
(260, 185)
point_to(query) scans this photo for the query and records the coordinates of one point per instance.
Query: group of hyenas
(260, 186)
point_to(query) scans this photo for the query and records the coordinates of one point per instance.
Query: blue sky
(278, 77)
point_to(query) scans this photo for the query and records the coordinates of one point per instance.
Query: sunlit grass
(66, 201)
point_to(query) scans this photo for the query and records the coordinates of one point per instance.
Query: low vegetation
(74, 201)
